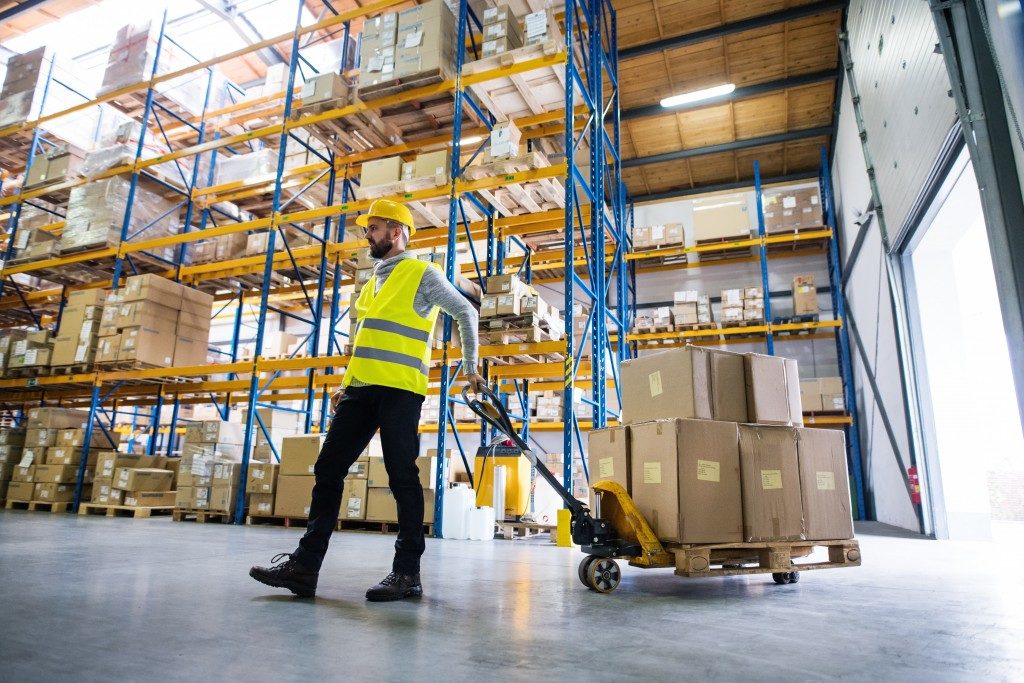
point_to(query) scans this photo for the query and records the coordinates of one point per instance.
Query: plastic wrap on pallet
(106, 158)
(23, 84)
(245, 166)
(96, 212)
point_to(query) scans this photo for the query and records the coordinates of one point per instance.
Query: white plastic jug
(498, 497)
(458, 501)
(481, 524)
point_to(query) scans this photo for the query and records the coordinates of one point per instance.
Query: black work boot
(396, 586)
(291, 575)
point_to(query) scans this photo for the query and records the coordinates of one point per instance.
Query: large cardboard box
(261, 504)
(689, 382)
(381, 505)
(686, 479)
(150, 498)
(142, 479)
(810, 396)
(824, 485)
(805, 295)
(54, 493)
(135, 313)
(381, 171)
(772, 390)
(226, 474)
(262, 478)
(427, 467)
(299, 454)
(56, 418)
(59, 474)
(104, 493)
(376, 473)
(151, 344)
(721, 218)
(152, 287)
(222, 498)
(70, 455)
(215, 432)
(108, 461)
(294, 494)
(772, 508)
(41, 438)
(608, 457)
(353, 503)
(99, 438)
(20, 490)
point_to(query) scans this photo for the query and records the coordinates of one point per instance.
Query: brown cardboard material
(773, 390)
(686, 479)
(824, 485)
(805, 295)
(428, 472)
(226, 474)
(150, 498)
(353, 503)
(262, 478)
(100, 439)
(770, 475)
(215, 432)
(107, 348)
(108, 461)
(136, 313)
(200, 498)
(54, 493)
(608, 457)
(151, 344)
(142, 479)
(299, 454)
(359, 470)
(376, 473)
(69, 455)
(261, 504)
(101, 489)
(41, 438)
(293, 496)
(152, 287)
(183, 497)
(58, 474)
(689, 382)
(23, 474)
(381, 505)
(381, 171)
(56, 418)
(222, 498)
(20, 490)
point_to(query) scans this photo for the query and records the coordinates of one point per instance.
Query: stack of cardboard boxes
(295, 476)
(34, 351)
(12, 442)
(823, 394)
(415, 43)
(223, 248)
(8, 340)
(742, 305)
(805, 295)
(79, 329)
(380, 503)
(507, 295)
(54, 165)
(156, 322)
(32, 242)
(501, 31)
(792, 210)
(712, 451)
(36, 479)
(505, 143)
(391, 175)
(658, 236)
(211, 466)
(135, 480)
(96, 212)
(21, 96)
(260, 487)
(690, 307)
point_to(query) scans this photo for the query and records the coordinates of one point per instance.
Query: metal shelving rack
(767, 332)
(596, 211)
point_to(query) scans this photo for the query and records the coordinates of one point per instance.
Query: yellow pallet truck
(621, 532)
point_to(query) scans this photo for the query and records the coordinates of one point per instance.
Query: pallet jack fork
(619, 532)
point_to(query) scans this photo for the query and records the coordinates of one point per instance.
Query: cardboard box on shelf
(353, 503)
(805, 295)
(810, 396)
(299, 454)
(109, 461)
(293, 495)
(142, 479)
(153, 287)
(69, 455)
(262, 478)
(20, 490)
(689, 382)
(261, 504)
(824, 484)
(20, 473)
(104, 493)
(685, 479)
(150, 498)
(324, 87)
(152, 344)
(432, 165)
(716, 218)
(770, 475)
(222, 498)
(59, 474)
(772, 390)
(215, 432)
(381, 171)
(107, 348)
(146, 312)
(381, 505)
(226, 474)
(200, 498)
(54, 493)
(41, 438)
(99, 439)
(505, 139)
(685, 314)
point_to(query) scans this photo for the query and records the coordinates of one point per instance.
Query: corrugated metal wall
(907, 115)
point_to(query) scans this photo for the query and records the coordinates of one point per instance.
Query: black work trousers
(362, 411)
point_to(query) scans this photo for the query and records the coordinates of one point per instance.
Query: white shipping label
(22, 239)
(709, 470)
(654, 379)
(263, 507)
(44, 493)
(130, 502)
(376, 64)
(771, 479)
(80, 353)
(26, 458)
(536, 24)
(606, 468)
(652, 472)
(657, 232)
(414, 39)
(30, 356)
(789, 202)
(123, 479)
(19, 347)
(257, 474)
(311, 469)
(826, 481)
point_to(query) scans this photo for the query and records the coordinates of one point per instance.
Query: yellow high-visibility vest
(392, 341)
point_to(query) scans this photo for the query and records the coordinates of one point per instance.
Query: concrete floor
(98, 599)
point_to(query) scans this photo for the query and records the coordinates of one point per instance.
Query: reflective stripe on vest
(392, 341)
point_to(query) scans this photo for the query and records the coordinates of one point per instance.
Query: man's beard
(380, 249)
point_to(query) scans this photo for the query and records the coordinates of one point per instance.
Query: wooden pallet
(274, 520)
(513, 530)
(27, 371)
(358, 132)
(806, 318)
(200, 516)
(80, 369)
(368, 93)
(123, 510)
(652, 250)
(375, 526)
(693, 327)
(38, 506)
(732, 559)
(522, 94)
(724, 248)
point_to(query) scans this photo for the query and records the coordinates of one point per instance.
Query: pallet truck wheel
(781, 578)
(603, 575)
(584, 566)
(794, 577)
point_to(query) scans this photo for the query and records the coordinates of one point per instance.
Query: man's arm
(437, 291)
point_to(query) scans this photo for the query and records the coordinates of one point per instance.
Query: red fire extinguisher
(915, 485)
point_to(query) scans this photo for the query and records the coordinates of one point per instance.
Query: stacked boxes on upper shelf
(792, 210)
(658, 236)
(295, 476)
(79, 329)
(712, 451)
(501, 31)
(96, 212)
(156, 322)
(12, 442)
(211, 466)
(21, 96)
(32, 242)
(742, 305)
(415, 44)
(823, 394)
(805, 295)
(690, 307)
(32, 352)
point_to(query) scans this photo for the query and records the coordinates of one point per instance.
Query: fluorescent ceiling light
(471, 140)
(698, 95)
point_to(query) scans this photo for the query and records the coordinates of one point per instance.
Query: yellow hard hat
(389, 210)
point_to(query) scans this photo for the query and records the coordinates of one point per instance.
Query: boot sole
(415, 592)
(267, 581)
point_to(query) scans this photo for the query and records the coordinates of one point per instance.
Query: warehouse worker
(384, 388)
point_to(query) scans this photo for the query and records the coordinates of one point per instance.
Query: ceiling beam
(729, 146)
(722, 187)
(734, 27)
(16, 9)
(740, 93)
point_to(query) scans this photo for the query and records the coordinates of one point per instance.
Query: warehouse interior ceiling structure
(782, 56)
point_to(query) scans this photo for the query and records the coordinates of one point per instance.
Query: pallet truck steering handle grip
(500, 421)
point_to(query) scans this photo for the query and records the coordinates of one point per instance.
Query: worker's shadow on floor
(354, 605)
(655, 584)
